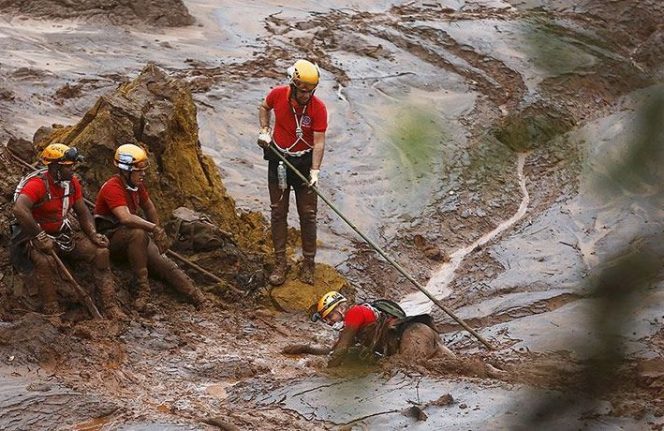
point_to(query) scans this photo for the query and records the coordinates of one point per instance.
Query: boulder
(158, 113)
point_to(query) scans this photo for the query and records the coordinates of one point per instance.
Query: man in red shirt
(116, 214)
(379, 331)
(43, 203)
(300, 122)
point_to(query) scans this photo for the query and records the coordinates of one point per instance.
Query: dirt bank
(161, 13)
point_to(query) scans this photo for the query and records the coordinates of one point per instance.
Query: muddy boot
(198, 298)
(278, 275)
(108, 298)
(48, 294)
(307, 271)
(142, 290)
(177, 278)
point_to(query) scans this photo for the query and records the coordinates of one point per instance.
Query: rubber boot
(177, 278)
(47, 292)
(108, 297)
(278, 275)
(185, 285)
(307, 271)
(142, 290)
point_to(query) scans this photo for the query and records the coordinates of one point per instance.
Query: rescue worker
(378, 329)
(300, 122)
(140, 240)
(43, 202)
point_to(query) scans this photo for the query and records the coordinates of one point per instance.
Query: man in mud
(380, 328)
(300, 122)
(43, 203)
(140, 240)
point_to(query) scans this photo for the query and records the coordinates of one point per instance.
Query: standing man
(43, 203)
(300, 122)
(116, 214)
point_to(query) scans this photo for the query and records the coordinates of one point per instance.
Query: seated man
(43, 203)
(381, 327)
(116, 215)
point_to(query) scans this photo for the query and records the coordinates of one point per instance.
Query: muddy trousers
(46, 273)
(136, 246)
(420, 341)
(307, 203)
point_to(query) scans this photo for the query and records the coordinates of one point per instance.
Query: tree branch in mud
(296, 349)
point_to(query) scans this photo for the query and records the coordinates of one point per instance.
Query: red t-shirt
(49, 212)
(359, 316)
(114, 194)
(312, 118)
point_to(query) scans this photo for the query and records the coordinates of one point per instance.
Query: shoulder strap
(389, 307)
(41, 173)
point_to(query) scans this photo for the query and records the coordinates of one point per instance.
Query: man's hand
(99, 240)
(313, 177)
(264, 138)
(43, 243)
(160, 238)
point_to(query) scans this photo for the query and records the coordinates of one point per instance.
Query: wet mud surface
(478, 136)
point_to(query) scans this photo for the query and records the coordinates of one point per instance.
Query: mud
(169, 13)
(433, 106)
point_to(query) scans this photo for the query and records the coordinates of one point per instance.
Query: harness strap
(299, 134)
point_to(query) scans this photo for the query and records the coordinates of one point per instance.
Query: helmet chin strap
(128, 184)
(57, 176)
(294, 94)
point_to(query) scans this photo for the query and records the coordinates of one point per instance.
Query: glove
(99, 240)
(313, 177)
(43, 243)
(264, 138)
(160, 238)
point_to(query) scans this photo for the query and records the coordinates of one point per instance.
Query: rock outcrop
(158, 113)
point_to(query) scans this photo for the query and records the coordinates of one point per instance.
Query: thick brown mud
(432, 105)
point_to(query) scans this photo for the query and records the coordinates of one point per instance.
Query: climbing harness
(299, 134)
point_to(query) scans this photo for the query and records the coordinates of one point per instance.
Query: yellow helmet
(130, 157)
(60, 154)
(304, 71)
(328, 303)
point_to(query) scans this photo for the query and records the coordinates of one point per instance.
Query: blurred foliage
(620, 280)
(415, 141)
(643, 162)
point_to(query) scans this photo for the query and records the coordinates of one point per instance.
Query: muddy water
(400, 132)
(418, 303)
(377, 402)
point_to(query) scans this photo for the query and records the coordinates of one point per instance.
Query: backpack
(389, 307)
(194, 231)
(38, 173)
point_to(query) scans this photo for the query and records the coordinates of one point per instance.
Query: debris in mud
(431, 251)
(6, 94)
(68, 92)
(161, 13)
(444, 400)
(415, 412)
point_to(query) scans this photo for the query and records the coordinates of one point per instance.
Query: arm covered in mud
(340, 348)
(126, 218)
(86, 222)
(23, 214)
